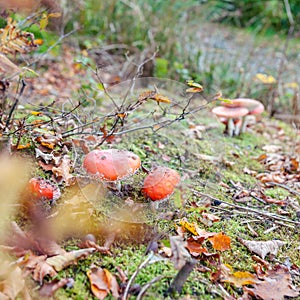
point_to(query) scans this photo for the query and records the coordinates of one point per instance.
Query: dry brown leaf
(14, 40)
(220, 242)
(49, 289)
(12, 282)
(208, 219)
(103, 282)
(195, 248)
(63, 171)
(59, 262)
(180, 255)
(238, 278)
(38, 266)
(263, 248)
(276, 286)
(7, 67)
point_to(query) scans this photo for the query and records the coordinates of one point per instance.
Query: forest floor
(229, 231)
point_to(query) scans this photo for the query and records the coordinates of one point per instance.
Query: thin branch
(136, 272)
(15, 103)
(147, 286)
(269, 215)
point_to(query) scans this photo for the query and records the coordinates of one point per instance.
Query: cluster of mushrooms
(113, 165)
(235, 113)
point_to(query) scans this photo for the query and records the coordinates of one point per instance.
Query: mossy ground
(203, 176)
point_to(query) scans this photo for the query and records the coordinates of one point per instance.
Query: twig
(269, 215)
(181, 277)
(15, 103)
(53, 46)
(147, 286)
(136, 272)
(292, 191)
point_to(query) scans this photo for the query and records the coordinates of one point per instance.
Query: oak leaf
(263, 248)
(276, 286)
(220, 242)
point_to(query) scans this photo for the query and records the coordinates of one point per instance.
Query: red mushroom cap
(254, 106)
(230, 112)
(111, 164)
(160, 183)
(43, 189)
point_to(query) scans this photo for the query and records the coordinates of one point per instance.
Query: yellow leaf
(36, 113)
(21, 147)
(44, 21)
(54, 15)
(240, 278)
(194, 90)
(264, 78)
(191, 227)
(38, 42)
(293, 85)
(194, 84)
(161, 98)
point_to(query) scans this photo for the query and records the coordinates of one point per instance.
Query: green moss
(277, 193)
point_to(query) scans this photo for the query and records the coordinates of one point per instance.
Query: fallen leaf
(59, 262)
(180, 255)
(12, 282)
(238, 278)
(208, 219)
(276, 286)
(103, 282)
(191, 227)
(220, 242)
(262, 248)
(49, 289)
(195, 248)
(63, 170)
(38, 266)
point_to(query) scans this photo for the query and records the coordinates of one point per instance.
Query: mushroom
(254, 106)
(233, 115)
(41, 189)
(111, 165)
(38, 197)
(159, 184)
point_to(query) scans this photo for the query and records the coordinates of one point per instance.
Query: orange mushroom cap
(43, 189)
(111, 164)
(160, 183)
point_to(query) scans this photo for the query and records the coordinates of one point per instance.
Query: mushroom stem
(237, 128)
(230, 128)
(244, 124)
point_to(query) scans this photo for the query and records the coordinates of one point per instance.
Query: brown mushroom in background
(160, 183)
(233, 115)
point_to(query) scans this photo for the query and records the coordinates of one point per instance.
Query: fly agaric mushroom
(41, 189)
(254, 106)
(159, 184)
(111, 165)
(233, 115)
(38, 197)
